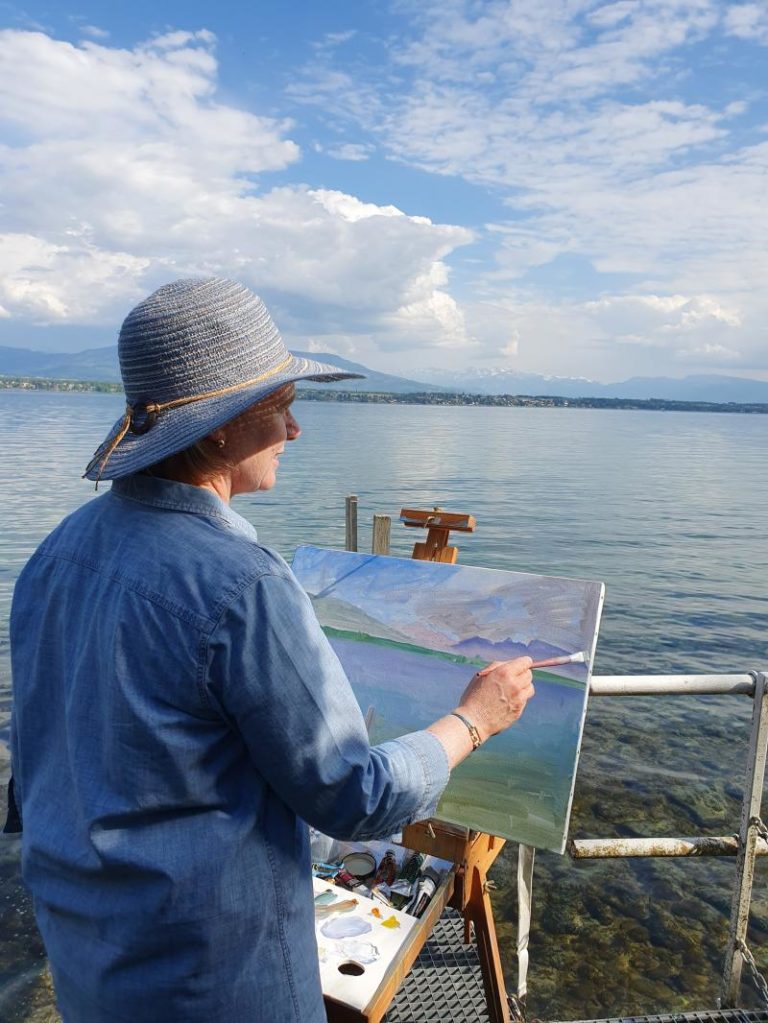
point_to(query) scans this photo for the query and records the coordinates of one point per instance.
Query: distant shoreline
(25, 383)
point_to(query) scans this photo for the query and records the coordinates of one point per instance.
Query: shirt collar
(159, 493)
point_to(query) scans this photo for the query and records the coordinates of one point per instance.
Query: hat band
(150, 410)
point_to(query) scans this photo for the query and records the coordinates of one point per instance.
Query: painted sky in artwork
(449, 606)
(409, 634)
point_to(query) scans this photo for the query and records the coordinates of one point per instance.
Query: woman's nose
(292, 427)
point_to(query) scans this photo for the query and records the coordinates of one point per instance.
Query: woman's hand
(494, 699)
(496, 696)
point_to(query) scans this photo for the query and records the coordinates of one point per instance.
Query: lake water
(668, 509)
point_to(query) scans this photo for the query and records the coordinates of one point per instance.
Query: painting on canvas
(410, 634)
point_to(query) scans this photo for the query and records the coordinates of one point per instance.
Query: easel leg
(481, 912)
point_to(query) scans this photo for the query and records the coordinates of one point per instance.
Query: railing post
(382, 527)
(525, 859)
(350, 540)
(748, 835)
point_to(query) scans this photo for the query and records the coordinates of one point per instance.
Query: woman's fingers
(496, 696)
(489, 668)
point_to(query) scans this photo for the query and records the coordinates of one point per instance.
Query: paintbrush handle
(550, 662)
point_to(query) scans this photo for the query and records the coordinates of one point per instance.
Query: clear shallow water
(668, 509)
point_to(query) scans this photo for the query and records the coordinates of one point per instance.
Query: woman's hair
(205, 460)
(199, 463)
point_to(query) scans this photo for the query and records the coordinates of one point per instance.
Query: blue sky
(567, 187)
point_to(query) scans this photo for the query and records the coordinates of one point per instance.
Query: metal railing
(752, 840)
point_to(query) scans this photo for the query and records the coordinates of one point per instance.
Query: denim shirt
(178, 717)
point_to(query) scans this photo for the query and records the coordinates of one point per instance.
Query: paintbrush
(550, 662)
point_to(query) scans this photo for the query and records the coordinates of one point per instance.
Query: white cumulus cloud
(121, 169)
(748, 21)
(619, 137)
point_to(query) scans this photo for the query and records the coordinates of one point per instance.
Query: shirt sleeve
(274, 673)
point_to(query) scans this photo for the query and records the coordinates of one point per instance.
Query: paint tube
(411, 868)
(424, 889)
(347, 880)
(326, 871)
(387, 871)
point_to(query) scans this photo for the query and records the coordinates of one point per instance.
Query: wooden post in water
(748, 835)
(382, 527)
(350, 540)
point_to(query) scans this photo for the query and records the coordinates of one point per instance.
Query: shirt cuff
(421, 756)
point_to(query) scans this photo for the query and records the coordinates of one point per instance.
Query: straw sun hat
(194, 355)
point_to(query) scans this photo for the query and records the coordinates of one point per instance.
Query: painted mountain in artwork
(339, 614)
(506, 649)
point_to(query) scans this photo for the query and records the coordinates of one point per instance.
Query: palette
(352, 968)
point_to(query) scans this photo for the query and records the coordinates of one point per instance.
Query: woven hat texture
(187, 339)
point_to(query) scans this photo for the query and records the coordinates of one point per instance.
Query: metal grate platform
(445, 983)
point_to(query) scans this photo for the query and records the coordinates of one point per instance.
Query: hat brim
(176, 429)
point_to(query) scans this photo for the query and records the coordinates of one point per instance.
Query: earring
(220, 442)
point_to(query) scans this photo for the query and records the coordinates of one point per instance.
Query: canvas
(410, 634)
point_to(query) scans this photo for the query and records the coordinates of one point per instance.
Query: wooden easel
(473, 851)
(438, 524)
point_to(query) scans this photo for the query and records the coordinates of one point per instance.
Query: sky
(564, 187)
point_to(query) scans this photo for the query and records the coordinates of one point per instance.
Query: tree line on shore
(424, 397)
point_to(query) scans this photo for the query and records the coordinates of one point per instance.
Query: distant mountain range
(704, 387)
(93, 364)
(101, 364)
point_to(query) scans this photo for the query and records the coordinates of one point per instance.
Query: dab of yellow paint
(391, 921)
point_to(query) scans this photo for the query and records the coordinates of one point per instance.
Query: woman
(178, 714)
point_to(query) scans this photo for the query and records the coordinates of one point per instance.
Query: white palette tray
(358, 988)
